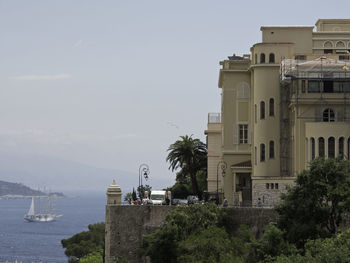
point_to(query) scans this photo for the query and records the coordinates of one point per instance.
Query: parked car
(178, 201)
(183, 202)
(192, 199)
(175, 201)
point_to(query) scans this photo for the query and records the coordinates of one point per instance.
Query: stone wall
(269, 197)
(125, 226)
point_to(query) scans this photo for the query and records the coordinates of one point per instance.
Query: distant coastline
(10, 190)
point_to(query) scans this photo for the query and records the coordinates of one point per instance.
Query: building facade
(284, 104)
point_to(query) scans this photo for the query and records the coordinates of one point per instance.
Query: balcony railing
(214, 118)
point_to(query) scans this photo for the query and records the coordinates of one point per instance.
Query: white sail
(31, 211)
(42, 215)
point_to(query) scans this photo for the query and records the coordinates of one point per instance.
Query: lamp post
(143, 171)
(223, 166)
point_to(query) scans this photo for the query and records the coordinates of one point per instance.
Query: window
(341, 86)
(262, 152)
(312, 140)
(303, 88)
(328, 115)
(262, 58)
(243, 133)
(328, 87)
(331, 147)
(276, 185)
(328, 51)
(300, 57)
(314, 87)
(262, 110)
(267, 186)
(272, 58)
(343, 57)
(321, 147)
(271, 185)
(272, 150)
(272, 107)
(243, 90)
(341, 147)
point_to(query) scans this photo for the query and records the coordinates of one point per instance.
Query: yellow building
(281, 106)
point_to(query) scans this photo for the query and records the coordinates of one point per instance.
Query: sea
(34, 242)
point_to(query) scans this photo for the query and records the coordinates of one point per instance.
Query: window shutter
(249, 134)
(235, 134)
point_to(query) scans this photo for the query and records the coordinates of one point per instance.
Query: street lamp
(143, 171)
(223, 166)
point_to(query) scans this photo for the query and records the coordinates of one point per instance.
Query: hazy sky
(114, 83)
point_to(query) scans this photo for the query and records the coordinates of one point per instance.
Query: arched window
(321, 147)
(262, 110)
(340, 44)
(341, 147)
(272, 58)
(331, 147)
(272, 107)
(262, 152)
(328, 115)
(272, 150)
(312, 142)
(262, 58)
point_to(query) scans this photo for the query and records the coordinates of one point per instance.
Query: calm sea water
(42, 241)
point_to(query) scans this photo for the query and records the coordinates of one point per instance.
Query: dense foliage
(190, 155)
(85, 243)
(195, 234)
(313, 208)
(94, 257)
(308, 228)
(329, 250)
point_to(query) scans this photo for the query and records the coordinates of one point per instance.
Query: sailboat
(46, 215)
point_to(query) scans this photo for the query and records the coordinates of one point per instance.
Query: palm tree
(190, 155)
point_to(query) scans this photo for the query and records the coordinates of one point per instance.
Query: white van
(158, 197)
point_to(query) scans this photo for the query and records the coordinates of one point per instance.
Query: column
(336, 144)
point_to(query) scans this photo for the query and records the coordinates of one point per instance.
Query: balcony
(214, 118)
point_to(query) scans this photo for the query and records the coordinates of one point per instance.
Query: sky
(113, 83)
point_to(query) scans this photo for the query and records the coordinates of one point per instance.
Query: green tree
(128, 197)
(142, 189)
(84, 243)
(190, 155)
(134, 197)
(314, 207)
(94, 257)
(196, 234)
(271, 245)
(211, 245)
(328, 250)
(162, 245)
(179, 190)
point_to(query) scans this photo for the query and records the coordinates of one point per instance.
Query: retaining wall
(125, 226)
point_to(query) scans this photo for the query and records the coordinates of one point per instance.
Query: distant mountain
(7, 188)
(55, 174)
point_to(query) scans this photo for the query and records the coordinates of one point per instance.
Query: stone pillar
(336, 148)
(114, 194)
